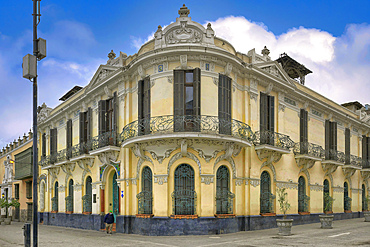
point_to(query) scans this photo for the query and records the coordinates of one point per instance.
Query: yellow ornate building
(189, 136)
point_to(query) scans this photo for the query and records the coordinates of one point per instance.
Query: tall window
(69, 136)
(330, 140)
(54, 200)
(267, 118)
(53, 144)
(29, 189)
(87, 202)
(186, 100)
(69, 198)
(145, 198)
(184, 197)
(144, 106)
(108, 114)
(347, 141)
(326, 193)
(224, 104)
(224, 197)
(366, 152)
(43, 147)
(303, 199)
(347, 200)
(303, 127)
(266, 197)
(85, 125)
(16, 191)
(364, 201)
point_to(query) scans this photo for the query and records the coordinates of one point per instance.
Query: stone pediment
(101, 74)
(274, 69)
(184, 31)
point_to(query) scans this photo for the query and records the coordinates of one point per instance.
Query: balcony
(80, 152)
(172, 127)
(334, 157)
(306, 154)
(365, 165)
(62, 157)
(106, 142)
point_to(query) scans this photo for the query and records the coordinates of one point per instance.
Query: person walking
(109, 220)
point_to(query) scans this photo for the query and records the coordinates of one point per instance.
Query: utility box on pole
(29, 66)
(41, 45)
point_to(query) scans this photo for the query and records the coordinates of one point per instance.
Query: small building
(189, 136)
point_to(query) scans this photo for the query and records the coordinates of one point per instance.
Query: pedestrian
(109, 220)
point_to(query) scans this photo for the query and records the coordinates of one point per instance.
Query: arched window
(347, 200)
(54, 200)
(326, 195)
(224, 197)
(145, 197)
(266, 197)
(69, 198)
(87, 202)
(303, 199)
(364, 201)
(184, 197)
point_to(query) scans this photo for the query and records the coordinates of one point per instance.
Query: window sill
(69, 212)
(224, 216)
(144, 216)
(348, 211)
(195, 216)
(268, 214)
(29, 197)
(86, 213)
(54, 212)
(328, 212)
(304, 213)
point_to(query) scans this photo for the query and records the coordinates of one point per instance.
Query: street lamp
(30, 72)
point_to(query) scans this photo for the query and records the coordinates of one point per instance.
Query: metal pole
(27, 234)
(35, 165)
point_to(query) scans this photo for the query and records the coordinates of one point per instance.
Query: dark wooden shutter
(196, 92)
(263, 112)
(89, 124)
(334, 137)
(53, 141)
(305, 126)
(327, 138)
(364, 148)
(271, 113)
(69, 133)
(140, 90)
(82, 127)
(178, 99)
(368, 148)
(303, 131)
(347, 140)
(43, 145)
(102, 108)
(146, 105)
(115, 112)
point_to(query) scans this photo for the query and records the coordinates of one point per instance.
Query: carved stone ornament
(348, 172)
(184, 61)
(228, 69)
(206, 157)
(141, 72)
(53, 172)
(316, 187)
(305, 164)
(206, 178)
(68, 170)
(253, 181)
(160, 179)
(85, 165)
(269, 88)
(287, 185)
(329, 168)
(106, 158)
(270, 156)
(43, 113)
(365, 175)
(159, 158)
(184, 34)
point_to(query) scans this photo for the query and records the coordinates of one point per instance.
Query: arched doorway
(266, 197)
(303, 199)
(184, 196)
(145, 197)
(87, 202)
(54, 200)
(69, 198)
(115, 194)
(224, 198)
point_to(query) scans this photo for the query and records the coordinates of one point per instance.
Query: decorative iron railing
(308, 148)
(202, 124)
(63, 155)
(303, 203)
(145, 202)
(273, 139)
(224, 202)
(365, 163)
(364, 204)
(353, 160)
(267, 202)
(347, 203)
(103, 140)
(54, 204)
(184, 202)
(69, 204)
(53, 158)
(79, 149)
(44, 161)
(87, 203)
(336, 155)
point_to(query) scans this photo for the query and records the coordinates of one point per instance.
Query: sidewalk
(353, 232)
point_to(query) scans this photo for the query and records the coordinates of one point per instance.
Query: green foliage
(283, 201)
(328, 203)
(4, 203)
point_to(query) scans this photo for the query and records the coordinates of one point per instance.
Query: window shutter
(364, 148)
(221, 97)
(89, 124)
(43, 145)
(196, 94)
(115, 112)
(347, 137)
(305, 126)
(271, 113)
(335, 135)
(53, 141)
(303, 131)
(102, 106)
(228, 99)
(368, 148)
(69, 133)
(146, 105)
(263, 112)
(178, 99)
(327, 138)
(140, 99)
(82, 127)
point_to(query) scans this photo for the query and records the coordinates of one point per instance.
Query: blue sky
(332, 38)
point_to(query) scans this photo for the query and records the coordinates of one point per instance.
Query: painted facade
(189, 136)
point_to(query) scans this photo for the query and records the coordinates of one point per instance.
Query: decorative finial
(265, 51)
(184, 11)
(209, 26)
(111, 55)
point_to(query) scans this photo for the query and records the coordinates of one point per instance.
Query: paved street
(354, 232)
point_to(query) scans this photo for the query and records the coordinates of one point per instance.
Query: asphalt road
(354, 232)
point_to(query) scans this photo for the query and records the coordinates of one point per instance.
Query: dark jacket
(109, 218)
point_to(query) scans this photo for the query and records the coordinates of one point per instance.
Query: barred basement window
(224, 198)
(184, 197)
(69, 198)
(266, 197)
(54, 200)
(145, 198)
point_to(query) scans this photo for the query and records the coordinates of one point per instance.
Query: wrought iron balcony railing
(365, 163)
(53, 158)
(273, 139)
(87, 203)
(44, 161)
(202, 124)
(79, 149)
(267, 202)
(333, 154)
(106, 139)
(224, 202)
(63, 155)
(184, 202)
(308, 148)
(353, 160)
(145, 202)
(54, 204)
(69, 204)
(303, 203)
